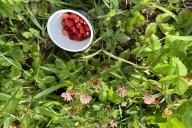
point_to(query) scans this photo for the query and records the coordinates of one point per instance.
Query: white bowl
(54, 28)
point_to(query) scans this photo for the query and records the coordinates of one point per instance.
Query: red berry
(73, 37)
(70, 32)
(69, 23)
(78, 25)
(65, 16)
(73, 16)
(65, 32)
(76, 20)
(79, 35)
(80, 38)
(81, 29)
(74, 30)
(87, 28)
(87, 34)
(81, 21)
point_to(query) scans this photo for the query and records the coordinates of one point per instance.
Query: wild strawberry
(79, 35)
(81, 21)
(65, 16)
(73, 37)
(74, 30)
(81, 38)
(73, 16)
(81, 29)
(78, 25)
(87, 34)
(76, 20)
(65, 33)
(69, 23)
(87, 28)
(69, 31)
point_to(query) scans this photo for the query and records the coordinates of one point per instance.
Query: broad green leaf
(125, 54)
(46, 112)
(26, 121)
(19, 93)
(49, 67)
(172, 123)
(151, 29)
(180, 68)
(31, 33)
(136, 19)
(162, 18)
(60, 64)
(27, 35)
(18, 55)
(8, 7)
(181, 86)
(48, 91)
(143, 52)
(122, 38)
(167, 28)
(184, 112)
(136, 124)
(103, 95)
(15, 73)
(7, 122)
(4, 97)
(113, 97)
(162, 68)
(184, 21)
(152, 52)
(169, 78)
(154, 43)
(182, 38)
(48, 79)
(178, 48)
(11, 105)
(4, 63)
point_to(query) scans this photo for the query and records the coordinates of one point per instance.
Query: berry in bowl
(70, 30)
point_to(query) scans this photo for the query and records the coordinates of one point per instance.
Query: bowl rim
(77, 13)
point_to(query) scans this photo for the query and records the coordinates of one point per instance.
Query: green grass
(143, 46)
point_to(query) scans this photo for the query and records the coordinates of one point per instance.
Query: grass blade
(48, 91)
(34, 19)
(91, 55)
(121, 59)
(166, 11)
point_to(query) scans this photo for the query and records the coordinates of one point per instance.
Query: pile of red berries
(75, 27)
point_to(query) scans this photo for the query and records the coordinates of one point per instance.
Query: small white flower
(85, 98)
(113, 124)
(122, 91)
(124, 104)
(149, 99)
(68, 96)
